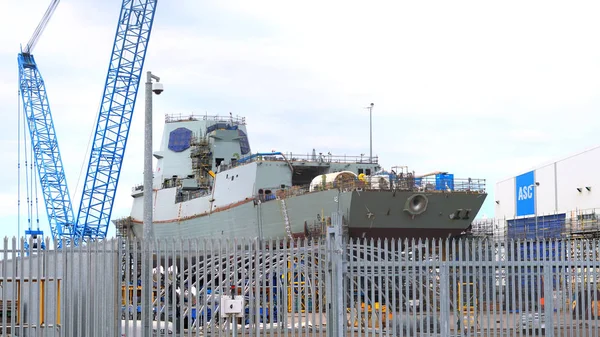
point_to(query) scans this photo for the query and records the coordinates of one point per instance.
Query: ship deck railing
(468, 185)
(293, 159)
(233, 120)
(329, 158)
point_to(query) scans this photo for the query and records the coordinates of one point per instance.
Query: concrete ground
(313, 324)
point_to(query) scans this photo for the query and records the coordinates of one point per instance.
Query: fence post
(146, 289)
(121, 259)
(548, 300)
(335, 299)
(445, 300)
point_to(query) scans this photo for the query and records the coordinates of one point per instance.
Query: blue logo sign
(525, 193)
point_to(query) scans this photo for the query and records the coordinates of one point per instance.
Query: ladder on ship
(286, 218)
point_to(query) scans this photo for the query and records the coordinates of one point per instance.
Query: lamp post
(146, 286)
(371, 133)
(157, 89)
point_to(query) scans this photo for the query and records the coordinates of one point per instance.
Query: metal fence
(327, 287)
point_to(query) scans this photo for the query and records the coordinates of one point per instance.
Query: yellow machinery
(467, 304)
(43, 284)
(138, 294)
(369, 315)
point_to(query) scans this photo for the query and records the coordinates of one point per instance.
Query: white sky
(479, 89)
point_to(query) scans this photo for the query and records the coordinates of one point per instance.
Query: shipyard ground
(504, 324)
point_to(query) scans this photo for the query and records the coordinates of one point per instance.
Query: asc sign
(525, 194)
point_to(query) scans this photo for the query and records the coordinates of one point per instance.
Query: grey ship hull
(367, 214)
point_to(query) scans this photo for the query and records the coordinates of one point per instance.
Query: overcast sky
(479, 89)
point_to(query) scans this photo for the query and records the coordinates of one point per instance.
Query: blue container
(418, 182)
(444, 182)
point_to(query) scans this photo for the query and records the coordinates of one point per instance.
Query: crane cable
(86, 155)
(18, 162)
(26, 170)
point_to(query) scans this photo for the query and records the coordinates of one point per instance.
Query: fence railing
(375, 288)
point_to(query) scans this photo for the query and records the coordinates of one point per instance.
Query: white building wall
(579, 171)
(560, 187)
(505, 199)
(546, 190)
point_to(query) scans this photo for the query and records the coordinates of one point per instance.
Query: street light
(157, 88)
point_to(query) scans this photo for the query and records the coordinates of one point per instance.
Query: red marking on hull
(216, 210)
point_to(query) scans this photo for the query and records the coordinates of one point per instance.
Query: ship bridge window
(218, 161)
(360, 171)
(244, 144)
(368, 172)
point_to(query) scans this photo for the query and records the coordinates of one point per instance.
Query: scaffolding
(576, 224)
(201, 156)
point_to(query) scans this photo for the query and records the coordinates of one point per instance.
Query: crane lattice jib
(45, 149)
(114, 119)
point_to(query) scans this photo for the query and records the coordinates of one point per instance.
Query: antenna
(371, 132)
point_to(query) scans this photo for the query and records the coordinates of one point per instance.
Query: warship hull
(366, 214)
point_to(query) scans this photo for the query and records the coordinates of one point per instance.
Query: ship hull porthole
(416, 204)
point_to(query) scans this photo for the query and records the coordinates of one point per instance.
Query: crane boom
(41, 26)
(114, 119)
(44, 143)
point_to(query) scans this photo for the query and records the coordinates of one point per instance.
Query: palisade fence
(325, 287)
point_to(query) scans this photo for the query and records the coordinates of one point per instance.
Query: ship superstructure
(208, 183)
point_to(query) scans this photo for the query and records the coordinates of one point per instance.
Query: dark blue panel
(548, 226)
(537, 251)
(525, 193)
(244, 144)
(179, 139)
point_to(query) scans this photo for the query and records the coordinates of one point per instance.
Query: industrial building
(559, 199)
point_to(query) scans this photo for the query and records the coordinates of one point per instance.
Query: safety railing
(233, 120)
(329, 158)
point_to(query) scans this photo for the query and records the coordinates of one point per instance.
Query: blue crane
(114, 119)
(44, 144)
(111, 132)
